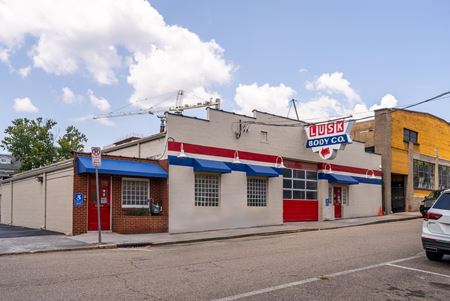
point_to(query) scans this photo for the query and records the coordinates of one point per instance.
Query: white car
(436, 228)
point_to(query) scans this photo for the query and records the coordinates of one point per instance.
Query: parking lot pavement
(414, 278)
(19, 239)
(7, 231)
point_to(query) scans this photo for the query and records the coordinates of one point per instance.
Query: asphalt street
(375, 262)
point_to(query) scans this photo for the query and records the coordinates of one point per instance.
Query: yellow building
(415, 149)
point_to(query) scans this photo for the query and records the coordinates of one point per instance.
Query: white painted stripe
(223, 159)
(313, 279)
(418, 270)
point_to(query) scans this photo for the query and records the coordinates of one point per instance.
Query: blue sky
(336, 57)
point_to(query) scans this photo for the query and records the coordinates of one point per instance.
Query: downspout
(12, 203)
(139, 149)
(45, 199)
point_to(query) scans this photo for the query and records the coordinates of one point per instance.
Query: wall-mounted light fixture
(372, 173)
(281, 165)
(40, 179)
(329, 170)
(182, 154)
(236, 158)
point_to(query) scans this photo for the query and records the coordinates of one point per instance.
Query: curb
(188, 241)
(82, 248)
(280, 232)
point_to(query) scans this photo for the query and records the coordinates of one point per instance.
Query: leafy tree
(72, 141)
(32, 142)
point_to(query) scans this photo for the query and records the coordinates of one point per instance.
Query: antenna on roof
(293, 103)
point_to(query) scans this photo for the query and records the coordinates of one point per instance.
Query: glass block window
(299, 184)
(135, 193)
(256, 192)
(410, 136)
(444, 177)
(207, 190)
(423, 175)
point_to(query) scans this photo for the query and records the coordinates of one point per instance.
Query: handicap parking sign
(78, 199)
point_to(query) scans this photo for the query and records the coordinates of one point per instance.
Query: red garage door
(300, 210)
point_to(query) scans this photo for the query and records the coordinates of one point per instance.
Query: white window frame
(252, 203)
(207, 203)
(135, 180)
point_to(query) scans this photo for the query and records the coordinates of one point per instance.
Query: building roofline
(232, 113)
(37, 171)
(135, 142)
(416, 112)
(185, 116)
(279, 116)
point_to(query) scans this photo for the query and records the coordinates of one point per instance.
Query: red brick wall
(122, 221)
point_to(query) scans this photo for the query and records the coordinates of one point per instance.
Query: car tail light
(432, 216)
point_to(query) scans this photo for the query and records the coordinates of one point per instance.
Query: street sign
(78, 199)
(96, 156)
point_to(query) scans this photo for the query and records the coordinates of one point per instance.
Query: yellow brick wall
(433, 133)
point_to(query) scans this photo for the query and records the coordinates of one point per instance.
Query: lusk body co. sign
(327, 138)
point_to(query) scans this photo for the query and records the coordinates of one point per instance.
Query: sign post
(96, 156)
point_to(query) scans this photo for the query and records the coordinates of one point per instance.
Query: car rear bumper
(434, 245)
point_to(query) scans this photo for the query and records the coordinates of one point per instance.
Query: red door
(105, 204)
(337, 202)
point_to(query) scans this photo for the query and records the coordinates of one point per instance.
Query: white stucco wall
(59, 201)
(364, 200)
(5, 206)
(232, 211)
(130, 151)
(28, 203)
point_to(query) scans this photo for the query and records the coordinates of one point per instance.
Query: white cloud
(100, 103)
(25, 71)
(102, 121)
(24, 105)
(4, 55)
(272, 99)
(302, 70)
(70, 97)
(109, 37)
(334, 84)
(275, 99)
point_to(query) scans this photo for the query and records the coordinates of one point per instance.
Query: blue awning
(261, 171)
(210, 166)
(339, 179)
(122, 167)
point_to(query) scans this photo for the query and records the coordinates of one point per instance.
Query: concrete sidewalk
(59, 242)
(129, 240)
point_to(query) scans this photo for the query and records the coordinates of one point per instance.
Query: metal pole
(98, 207)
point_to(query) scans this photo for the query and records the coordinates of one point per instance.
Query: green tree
(72, 141)
(32, 142)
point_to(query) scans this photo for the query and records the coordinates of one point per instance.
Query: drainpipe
(12, 203)
(44, 180)
(139, 149)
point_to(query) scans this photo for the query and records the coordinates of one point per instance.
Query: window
(444, 177)
(256, 192)
(410, 136)
(345, 199)
(135, 193)
(299, 184)
(370, 149)
(443, 202)
(264, 137)
(207, 190)
(423, 175)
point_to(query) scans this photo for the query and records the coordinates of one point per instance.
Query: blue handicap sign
(78, 199)
(327, 202)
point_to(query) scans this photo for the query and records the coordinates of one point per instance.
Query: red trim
(220, 152)
(243, 155)
(358, 170)
(301, 165)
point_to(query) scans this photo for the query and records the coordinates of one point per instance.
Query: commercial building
(8, 166)
(225, 171)
(415, 148)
